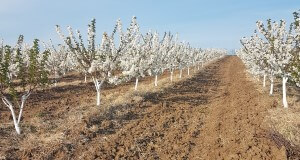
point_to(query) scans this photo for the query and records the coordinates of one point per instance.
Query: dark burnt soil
(216, 114)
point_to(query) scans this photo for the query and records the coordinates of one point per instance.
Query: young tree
(189, 57)
(135, 60)
(102, 61)
(168, 46)
(255, 50)
(22, 71)
(281, 45)
(59, 61)
(157, 57)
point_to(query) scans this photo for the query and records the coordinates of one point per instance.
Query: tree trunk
(23, 99)
(98, 97)
(180, 73)
(264, 84)
(11, 108)
(98, 89)
(55, 77)
(155, 82)
(284, 80)
(188, 71)
(171, 76)
(272, 86)
(136, 83)
(85, 78)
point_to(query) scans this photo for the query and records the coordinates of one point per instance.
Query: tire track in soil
(214, 115)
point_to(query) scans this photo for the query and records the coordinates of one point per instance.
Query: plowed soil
(216, 114)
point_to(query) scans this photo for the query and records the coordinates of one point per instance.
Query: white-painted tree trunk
(284, 100)
(171, 76)
(202, 64)
(188, 71)
(10, 75)
(98, 97)
(264, 83)
(11, 108)
(155, 82)
(85, 78)
(136, 83)
(98, 89)
(198, 67)
(55, 77)
(272, 86)
(180, 73)
(24, 98)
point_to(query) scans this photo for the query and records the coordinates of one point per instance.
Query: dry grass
(285, 122)
(284, 127)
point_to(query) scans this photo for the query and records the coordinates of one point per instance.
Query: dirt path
(214, 115)
(232, 129)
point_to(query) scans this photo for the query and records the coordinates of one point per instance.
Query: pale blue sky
(203, 23)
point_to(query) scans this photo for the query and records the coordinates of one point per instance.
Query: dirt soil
(216, 114)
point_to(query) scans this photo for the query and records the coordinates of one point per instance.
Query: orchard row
(274, 52)
(120, 57)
